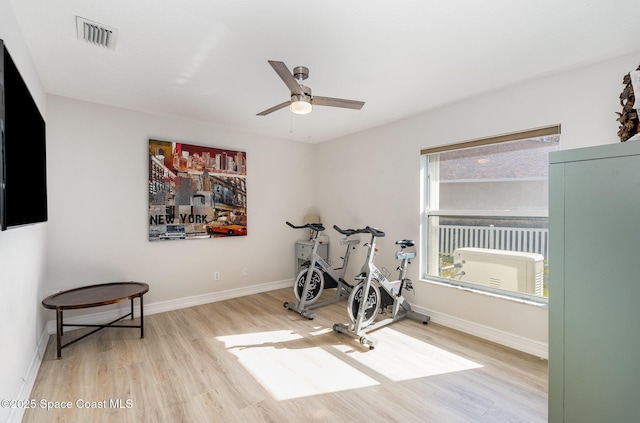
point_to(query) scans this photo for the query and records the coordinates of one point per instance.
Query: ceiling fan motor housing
(305, 96)
(301, 72)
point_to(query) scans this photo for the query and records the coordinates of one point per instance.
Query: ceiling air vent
(96, 33)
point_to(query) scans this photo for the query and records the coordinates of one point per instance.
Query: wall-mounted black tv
(23, 167)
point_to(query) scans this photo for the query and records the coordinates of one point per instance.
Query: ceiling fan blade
(274, 108)
(285, 74)
(337, 102)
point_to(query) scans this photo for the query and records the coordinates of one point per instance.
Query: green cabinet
(594, 284)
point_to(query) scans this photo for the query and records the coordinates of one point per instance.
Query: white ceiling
(207, 59)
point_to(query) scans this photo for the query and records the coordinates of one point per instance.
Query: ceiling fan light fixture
(301, 97)
(300, 104)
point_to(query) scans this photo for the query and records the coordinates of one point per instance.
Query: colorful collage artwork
(196, 191)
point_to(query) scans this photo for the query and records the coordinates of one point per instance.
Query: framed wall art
(196, 191)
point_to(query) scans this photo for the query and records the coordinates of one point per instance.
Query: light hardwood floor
(251, 360)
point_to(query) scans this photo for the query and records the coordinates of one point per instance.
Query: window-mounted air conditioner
(511, 270)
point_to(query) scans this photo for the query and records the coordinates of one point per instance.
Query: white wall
(22, 261)
(98, 228)
(372, 178)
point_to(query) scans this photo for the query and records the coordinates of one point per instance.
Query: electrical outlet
(216, 276)
(245, 271)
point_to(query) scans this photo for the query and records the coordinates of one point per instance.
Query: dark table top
(95, 295)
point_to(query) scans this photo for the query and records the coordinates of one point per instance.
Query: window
(485, 213)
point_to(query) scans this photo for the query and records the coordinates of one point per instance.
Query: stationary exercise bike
(318, 275)
(364, 308)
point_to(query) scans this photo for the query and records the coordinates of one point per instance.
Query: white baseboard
(29, 379)
(163, 306)
(510, 340)
(529, 346)
(101, 317)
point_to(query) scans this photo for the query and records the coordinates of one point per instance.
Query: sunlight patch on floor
(401, 357)
(287, 366)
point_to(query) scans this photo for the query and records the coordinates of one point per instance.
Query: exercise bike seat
(405, 243)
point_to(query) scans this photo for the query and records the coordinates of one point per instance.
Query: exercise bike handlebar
(375, 232)
(347, 232)
(369, 230)
(318, 227)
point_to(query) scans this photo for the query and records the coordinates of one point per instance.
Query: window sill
(535, 301)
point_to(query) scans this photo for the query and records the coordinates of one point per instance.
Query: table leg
(59, 331)
(141, 318)
(132, 308)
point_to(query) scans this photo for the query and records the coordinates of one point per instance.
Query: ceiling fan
(301, 99)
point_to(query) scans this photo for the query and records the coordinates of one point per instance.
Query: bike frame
(371, 276)
(335, 273)
(317, 262)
